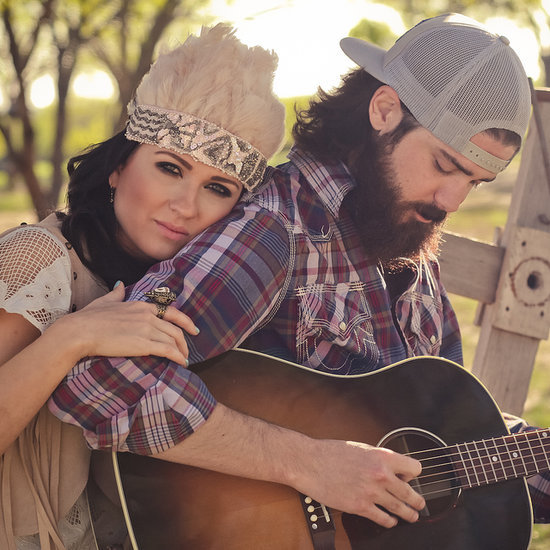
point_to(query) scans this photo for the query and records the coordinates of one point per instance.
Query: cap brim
(366, 55)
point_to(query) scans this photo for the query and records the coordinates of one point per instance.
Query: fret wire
(510, 459)
(527, 445)
(482, 466)
(499, 459)
(536, 447)
(464, 464)
(491, 462)
(542, 445)
(519, 462)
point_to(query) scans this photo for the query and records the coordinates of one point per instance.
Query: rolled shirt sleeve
(229, 280)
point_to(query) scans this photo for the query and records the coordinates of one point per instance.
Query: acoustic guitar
(427, 407)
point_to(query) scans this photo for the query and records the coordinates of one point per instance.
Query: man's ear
(385, 109)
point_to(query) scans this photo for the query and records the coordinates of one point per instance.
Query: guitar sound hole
(437, 482)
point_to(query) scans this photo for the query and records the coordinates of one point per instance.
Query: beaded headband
(203, 140)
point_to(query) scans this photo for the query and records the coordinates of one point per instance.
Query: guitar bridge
(320, 523)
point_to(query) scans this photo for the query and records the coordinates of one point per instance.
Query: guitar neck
(488, 461)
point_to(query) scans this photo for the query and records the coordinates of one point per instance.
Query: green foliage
(413, 12)
(375, 32)
(292, 104)
(91, 122)
(14, 201)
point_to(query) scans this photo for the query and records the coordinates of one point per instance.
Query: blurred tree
(517, 10)
(523, 12)
(376, 32)
(52, 37)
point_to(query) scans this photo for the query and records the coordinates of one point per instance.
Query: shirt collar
(331, 181)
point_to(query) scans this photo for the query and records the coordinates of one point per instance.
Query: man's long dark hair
(90, 224)
(336, 126)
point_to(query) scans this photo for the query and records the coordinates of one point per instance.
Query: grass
(484, 210)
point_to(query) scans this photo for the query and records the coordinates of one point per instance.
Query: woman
(202, 125)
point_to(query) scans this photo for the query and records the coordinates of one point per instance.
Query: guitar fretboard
(497, 459)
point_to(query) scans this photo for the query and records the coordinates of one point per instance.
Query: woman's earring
(111, 194)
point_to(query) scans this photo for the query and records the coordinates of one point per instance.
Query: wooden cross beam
(511, 278)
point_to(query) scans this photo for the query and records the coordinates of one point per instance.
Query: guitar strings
(483, 468)
(488, 451)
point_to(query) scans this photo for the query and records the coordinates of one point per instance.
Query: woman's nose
(185, 201)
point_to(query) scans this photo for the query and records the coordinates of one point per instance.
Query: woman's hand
(113, 328)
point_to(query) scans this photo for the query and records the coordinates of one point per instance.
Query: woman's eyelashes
(219, 189)
(170, 168)
(174, 169)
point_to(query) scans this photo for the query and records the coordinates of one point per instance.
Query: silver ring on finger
(162, 297)
(161, 310)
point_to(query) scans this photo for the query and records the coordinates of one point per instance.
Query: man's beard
(385, 223)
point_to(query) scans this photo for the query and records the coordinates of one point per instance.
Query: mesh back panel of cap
(456, 49)
(474, 83)
(499, 102)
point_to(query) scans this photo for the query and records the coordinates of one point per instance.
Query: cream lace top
(35, 276)
(35, 282)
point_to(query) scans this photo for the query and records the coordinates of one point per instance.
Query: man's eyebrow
(459, 166)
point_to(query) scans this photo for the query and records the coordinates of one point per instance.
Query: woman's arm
(32, 365)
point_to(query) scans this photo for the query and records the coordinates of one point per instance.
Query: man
(331, 265)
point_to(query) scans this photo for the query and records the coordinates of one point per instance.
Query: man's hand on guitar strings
(368, 481)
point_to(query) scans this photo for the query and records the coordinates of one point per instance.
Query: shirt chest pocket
(421, 320)
(334, 324)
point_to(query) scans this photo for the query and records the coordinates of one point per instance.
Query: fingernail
(117, 283)
(187, 362)
(197, 330)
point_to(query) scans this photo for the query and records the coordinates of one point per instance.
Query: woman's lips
(173, 232)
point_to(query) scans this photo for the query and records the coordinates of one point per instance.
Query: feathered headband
(212, 98)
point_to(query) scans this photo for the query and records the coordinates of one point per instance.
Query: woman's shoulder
(35, 274)
(31, 246)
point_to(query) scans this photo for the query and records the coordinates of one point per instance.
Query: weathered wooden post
(512, 277)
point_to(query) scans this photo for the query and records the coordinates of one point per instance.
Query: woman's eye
(219, 189)
(170, 168)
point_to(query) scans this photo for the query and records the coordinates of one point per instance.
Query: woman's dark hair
(90, 224)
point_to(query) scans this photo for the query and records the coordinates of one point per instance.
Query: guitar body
(180, 507)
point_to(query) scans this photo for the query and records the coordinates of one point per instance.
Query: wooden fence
(511, 278)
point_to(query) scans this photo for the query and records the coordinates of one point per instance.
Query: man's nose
(452, 194)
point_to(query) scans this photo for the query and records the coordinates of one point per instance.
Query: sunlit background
(305, 34)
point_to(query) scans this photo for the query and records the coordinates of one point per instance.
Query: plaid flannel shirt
(284, 274)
